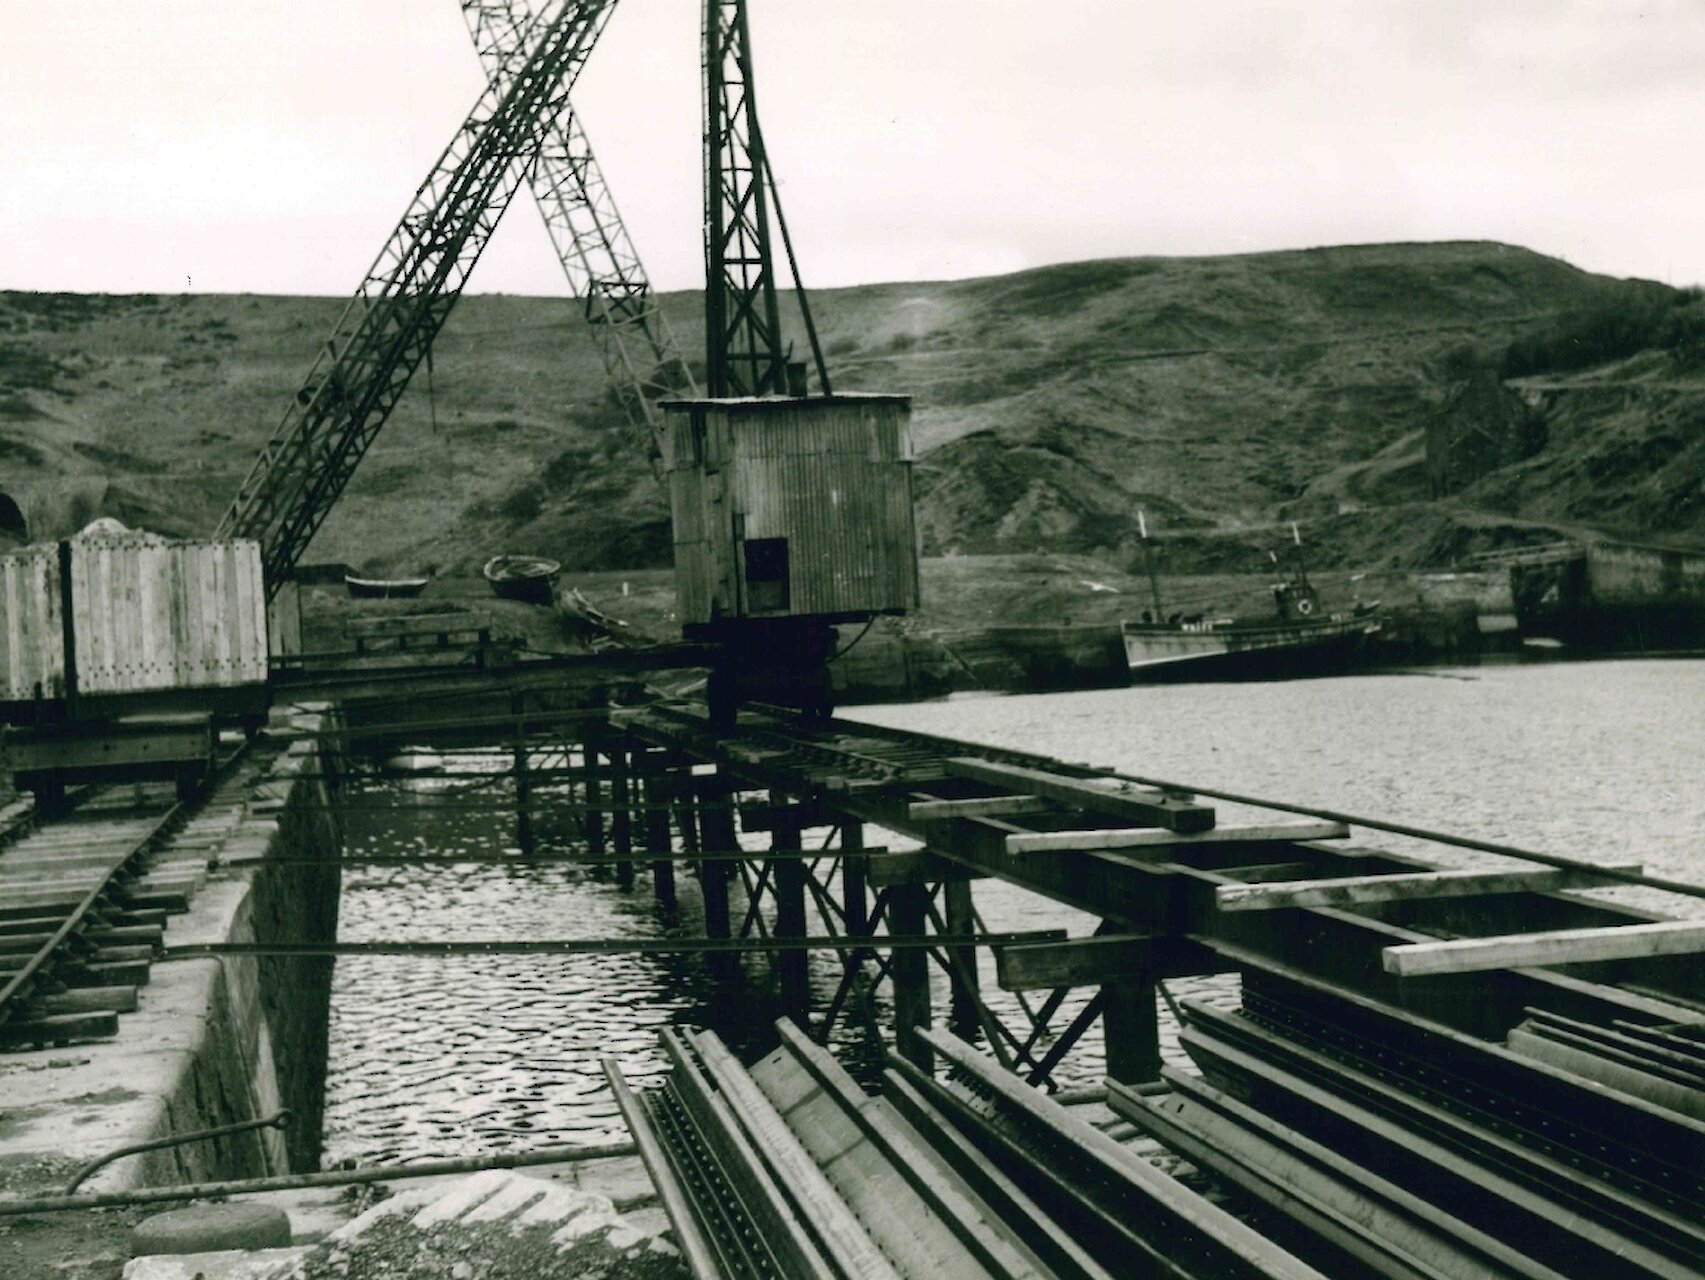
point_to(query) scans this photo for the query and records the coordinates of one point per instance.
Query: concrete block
(206, 1228)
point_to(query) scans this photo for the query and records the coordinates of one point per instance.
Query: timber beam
(1353, 891)
(1560, 946)
(771, 815)
(1167, 841)
(1092, 962)
(1110, 798)
(933, 809)
(915, 866)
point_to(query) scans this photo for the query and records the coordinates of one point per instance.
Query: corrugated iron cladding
(152, 614)
(32, 643)
(832, 476)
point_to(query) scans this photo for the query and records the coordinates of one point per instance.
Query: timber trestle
(1435, 1071)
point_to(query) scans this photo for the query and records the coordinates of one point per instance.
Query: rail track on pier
(85, 893)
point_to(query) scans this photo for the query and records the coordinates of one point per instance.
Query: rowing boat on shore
(384, 588)
(531, 579)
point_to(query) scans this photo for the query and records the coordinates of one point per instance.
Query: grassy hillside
(1223, 396)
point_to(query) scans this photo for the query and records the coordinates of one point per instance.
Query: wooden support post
(622, 819)
(715, 826)
(658, 839)
(788, 875)
(961, 915)
(908, 910)
(523, 778)
(855, 864)
(1130, 1027)
(595, 844)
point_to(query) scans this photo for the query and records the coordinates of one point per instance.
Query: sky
(238, 146)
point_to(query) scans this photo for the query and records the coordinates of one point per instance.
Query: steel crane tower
(603, 269)
(745, 352)
(388, 327)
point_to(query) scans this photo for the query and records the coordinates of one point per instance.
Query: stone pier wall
(213, 1041)
(264, 1041)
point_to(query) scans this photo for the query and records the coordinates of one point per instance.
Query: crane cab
(791, 515)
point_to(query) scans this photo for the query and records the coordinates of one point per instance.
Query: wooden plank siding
(32, 647)
(831, 476)
(152, 614)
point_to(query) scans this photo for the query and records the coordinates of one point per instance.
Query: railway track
(84, 898)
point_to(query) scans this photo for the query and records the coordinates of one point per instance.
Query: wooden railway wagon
(792, 508)
(115, 622)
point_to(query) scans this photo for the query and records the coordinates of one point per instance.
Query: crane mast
(388, 327)
(744, 350)
(640, 354)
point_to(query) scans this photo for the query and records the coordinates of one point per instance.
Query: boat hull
(385, 588)
(1244, 653)
(529, 579)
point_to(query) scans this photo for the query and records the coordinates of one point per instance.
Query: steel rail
(17, 988)
(696, 1249)
(277, 1120)
(522, 860)
(554, 802)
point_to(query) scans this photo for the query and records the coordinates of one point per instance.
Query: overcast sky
(242, 146)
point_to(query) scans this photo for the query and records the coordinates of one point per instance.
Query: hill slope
(1220, 395)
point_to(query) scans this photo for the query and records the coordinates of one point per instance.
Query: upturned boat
(528, 578)
(384, 588)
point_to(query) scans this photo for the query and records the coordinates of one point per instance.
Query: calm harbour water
(1597, 760)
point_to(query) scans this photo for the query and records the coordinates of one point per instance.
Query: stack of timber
(1377, 1145)
(789, 1169)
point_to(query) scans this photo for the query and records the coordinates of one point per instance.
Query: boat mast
(1302, 565)
(1148, 566)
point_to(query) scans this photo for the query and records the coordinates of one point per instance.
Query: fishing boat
(528, 578)
(1303, 639)
(384, 588)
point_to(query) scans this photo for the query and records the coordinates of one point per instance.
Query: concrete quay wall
(213, 1041)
